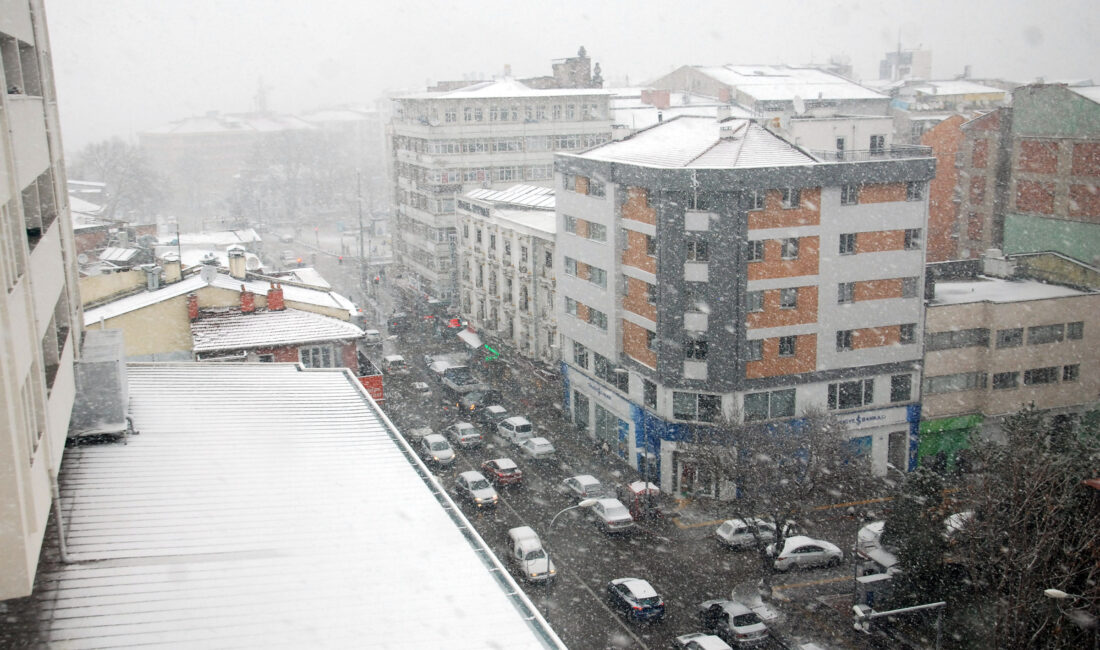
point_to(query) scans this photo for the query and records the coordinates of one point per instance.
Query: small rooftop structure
(785, 83)
(234, 330)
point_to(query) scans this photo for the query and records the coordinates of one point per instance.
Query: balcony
(895, 152)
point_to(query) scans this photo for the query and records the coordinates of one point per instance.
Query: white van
(394, 364)
(528, 558)
(372, 337)
(515, 429)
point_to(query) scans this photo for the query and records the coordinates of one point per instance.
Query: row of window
(593, 274)
(601, 367)
(1006, 338)
(965, 381)
(593, 316)
(849, 194)
(529, 144)
(906, 335)
(584, 184)
(584, 228)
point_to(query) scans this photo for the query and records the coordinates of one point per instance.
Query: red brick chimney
(275, 298)
(248, 301)
(192, 306)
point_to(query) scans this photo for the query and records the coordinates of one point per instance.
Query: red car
(502, 471)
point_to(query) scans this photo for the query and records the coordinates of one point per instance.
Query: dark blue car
(637, 597)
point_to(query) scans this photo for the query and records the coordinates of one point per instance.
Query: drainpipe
(56, 492)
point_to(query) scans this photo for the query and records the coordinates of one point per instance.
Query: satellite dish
(208, 273)
(82, 258)
(799, 105)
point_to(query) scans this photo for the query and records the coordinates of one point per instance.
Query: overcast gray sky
(123, 66)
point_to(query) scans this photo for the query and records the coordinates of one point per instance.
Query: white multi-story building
(710, 268)
(490, 134)
(40, 324)
(505, 257)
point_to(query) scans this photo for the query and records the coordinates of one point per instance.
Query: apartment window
(1071, 372)
(848, 243)
(1005, 380)
(580, 355)
(851, 394)
(1042, 375)
(755, 251)
(878, 145)
(465, 231)
(912, 239)
(555, 112)
(597, 318)
(477, 114)
(969, 338)
(754, 350)
(1010, 338)
(694, 406)
(507, 247)
(773, 404)
(791, 197)
(650, 246)
(570, 266)
(914, 191)
(651, 293)
(450, 116)
(1075, 331)
(570, 306)
(755, 199)
(523, 253)
(962, 381)
(548, 260)
(695, 349)
(597, 276)
(788, 298)
(901, 388)
(909, 287)
(790, 248)
(754, 301)
(596, 188)
(1045, 334)
(492, 242)
(907, 333)
(843, 340)
(570, 224)
(570, 111)
(650, 340)
(787, 346)
(849, 194)
(649, 393)
(597, 232)
(845, 292)
(319, 356)
(697, 251)
(478, 235)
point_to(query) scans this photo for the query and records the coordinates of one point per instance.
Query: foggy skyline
(123, 66)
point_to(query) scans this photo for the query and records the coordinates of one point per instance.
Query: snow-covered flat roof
(956, 87)
(988, 289)
(234, 330)
(262, 505)
(542, 221)
(784, 82)
(504, 88)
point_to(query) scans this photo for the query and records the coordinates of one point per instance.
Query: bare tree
(133, 188)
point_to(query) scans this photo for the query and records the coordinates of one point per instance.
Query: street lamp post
(584, 503)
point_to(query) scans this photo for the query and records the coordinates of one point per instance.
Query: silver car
(475, 487)
(585, 486)
(436, 450)
(464, 434)
(612, 516)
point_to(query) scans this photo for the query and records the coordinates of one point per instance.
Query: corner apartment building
(1029, 174)
(40, 324)
(491, 134)
(505, 248)
(996, 344)
(708, 269)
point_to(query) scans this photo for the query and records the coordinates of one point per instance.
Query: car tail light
(637, 608)
(780, 559)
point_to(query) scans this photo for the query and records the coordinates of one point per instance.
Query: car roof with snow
(505, 463)
(517, 420)
(638, 587)
(537, 441)
(612, 505)
(471, 476)
(586, 480)
(802, 540)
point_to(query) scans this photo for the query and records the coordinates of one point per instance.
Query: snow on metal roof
(956, 87)
(220, 238)
(702, 142)
(507, 87)
(525, 195)
(784, 83)
(998, 290)
(1088, 92)
(112, 254)
(77, 204)
(233, 330)
(265, 505)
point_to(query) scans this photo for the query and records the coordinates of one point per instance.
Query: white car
(394, 364)
(464, 434)
(529, 558)
(701, 641)
(537, 448)
(515, 429)
(612, 516)
(801, 552)
(584, 486)
(475, 487)
(739, 533)
(734, 622)
(372, 337)
(421, 389)
(435, 449)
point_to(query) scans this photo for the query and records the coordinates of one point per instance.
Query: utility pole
(359, 200)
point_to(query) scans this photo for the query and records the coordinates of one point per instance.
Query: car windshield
(479, 484)
(439, 445)
(651, 601)
(744, 620)
(536, 554)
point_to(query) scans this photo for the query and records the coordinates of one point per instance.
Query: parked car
(612, 516)
(372, 337)
(734, 622)
(420, 389)
(528, 558)
(493, 415)
(739, 533)
(701, 641)
(415, 428)
(801, 552)
(515, 429)
(476, 401)
(435, 449)
(464, 434)
(585, 486)
(637, 597)
(394, 364)
(475, 487)
(503, 471)
(537, 448)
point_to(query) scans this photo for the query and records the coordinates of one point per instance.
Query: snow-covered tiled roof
(263, 505)
(784, 83)
(525, 195)
(291, 293)
(233, 330)
(987, 289)
(702, 142)
(506, 87)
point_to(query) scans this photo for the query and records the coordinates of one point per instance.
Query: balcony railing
(895, 152)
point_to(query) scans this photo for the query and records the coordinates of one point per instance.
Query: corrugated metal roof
(525, 195)
(263, 505)
(702, 142)
(112, 254)
(233, 330)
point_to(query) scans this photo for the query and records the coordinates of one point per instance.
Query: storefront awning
(470, 338)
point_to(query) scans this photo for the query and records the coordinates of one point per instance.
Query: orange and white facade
(711, 270)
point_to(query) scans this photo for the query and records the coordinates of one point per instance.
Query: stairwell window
(848, 243)
(788, 298)
(849, 194)
(914, 191)
(913, 239)
(697, 251)
(791, 198)
(787, 346)
(755, 252)
(790, 248)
